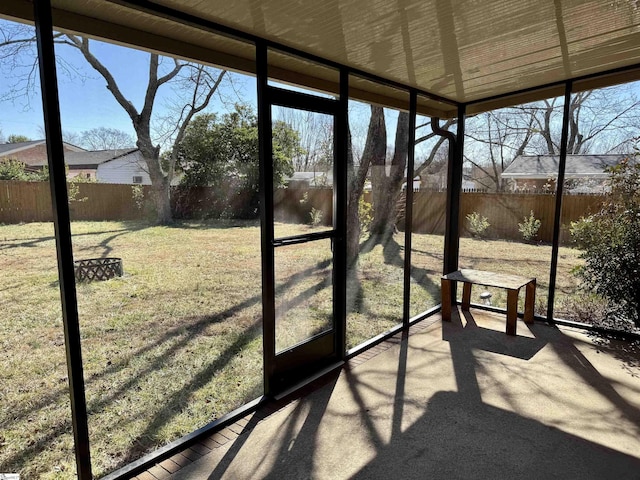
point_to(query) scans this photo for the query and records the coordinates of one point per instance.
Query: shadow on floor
(432, 407)
(461, 438)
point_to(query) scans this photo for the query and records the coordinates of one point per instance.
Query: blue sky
(85, 103)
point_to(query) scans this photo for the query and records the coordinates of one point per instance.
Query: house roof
(542, 167)
(73, 156)
(37, 159)
(95, 157)
(9, 148)
(484, 54)
(313, 179)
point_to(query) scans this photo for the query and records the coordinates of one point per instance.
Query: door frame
(292, 366)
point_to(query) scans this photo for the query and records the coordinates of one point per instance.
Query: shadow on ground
(397, 415)
(461, 438)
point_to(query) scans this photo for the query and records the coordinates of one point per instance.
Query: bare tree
(497, 137)
(70, 137)
(67, 136)
(356, 177)
(387, 170)
(105, 138)
(198, 83)
(315, 131)
(387, 176)
(604, 121)
(436, 147)
(600, 121)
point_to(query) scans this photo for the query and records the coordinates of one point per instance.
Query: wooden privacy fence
(296, 205)
(25, 202)
(504, 211)
(31, 202)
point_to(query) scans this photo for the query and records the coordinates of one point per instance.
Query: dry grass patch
(172, 345)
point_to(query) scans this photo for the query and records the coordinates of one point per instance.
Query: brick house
(34, 155)
(80, 162)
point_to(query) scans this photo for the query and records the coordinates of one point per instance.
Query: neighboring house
(310, 180)
(539, 172)
(469, 185)
(34, 155)
(88, 163)
(484, 178)
(123, 165)
(435, 177)
(126, 166)
(467, 182)
(417, 182)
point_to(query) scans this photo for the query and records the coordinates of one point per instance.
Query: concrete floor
(455, 401)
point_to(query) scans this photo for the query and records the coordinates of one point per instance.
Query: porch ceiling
(461, 51)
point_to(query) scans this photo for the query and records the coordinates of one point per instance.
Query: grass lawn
(528, 260)
(177, 341)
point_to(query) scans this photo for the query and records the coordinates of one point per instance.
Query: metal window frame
(44, 30)
(408, 209)
(562, 162)
(62, 226)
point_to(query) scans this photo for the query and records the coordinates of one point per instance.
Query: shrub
(529, 227)
(73, 190)
(12, 169)
(588, 307)
(137, 193)
(477, 224)
(365, 214)
(610, 244)
(316, 216)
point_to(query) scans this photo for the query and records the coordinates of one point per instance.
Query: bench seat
(512, 283)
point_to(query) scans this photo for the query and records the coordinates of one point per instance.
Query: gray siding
(123, 169)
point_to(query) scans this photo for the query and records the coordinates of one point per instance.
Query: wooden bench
(512, 283)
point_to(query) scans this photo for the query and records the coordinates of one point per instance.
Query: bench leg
(530, 301)
(445, 288)
(512, 311)
(466, 296)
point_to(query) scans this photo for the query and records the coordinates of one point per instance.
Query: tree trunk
(353, 228)
(162, 201)
(377, 152)
(373, 155)
(355, 184)
(387, 187)
(160, 183)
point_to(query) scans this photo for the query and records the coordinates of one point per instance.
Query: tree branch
(82, 44)
(155, 83)
(429, 160)
(193, 110)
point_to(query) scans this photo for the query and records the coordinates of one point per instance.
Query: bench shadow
(476, 337)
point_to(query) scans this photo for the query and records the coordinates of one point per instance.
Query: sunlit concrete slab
(458, 400)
